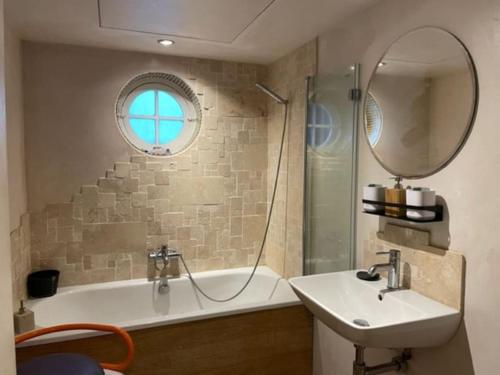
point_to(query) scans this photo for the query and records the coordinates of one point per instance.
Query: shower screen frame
(353, 95)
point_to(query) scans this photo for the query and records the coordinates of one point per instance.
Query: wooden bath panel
(269, 342)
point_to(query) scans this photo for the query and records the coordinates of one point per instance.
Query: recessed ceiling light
(382, 64)
(165, 42)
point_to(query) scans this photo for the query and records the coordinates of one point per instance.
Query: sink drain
(361, 322)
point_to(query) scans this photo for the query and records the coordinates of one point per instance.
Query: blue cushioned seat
(60, 364)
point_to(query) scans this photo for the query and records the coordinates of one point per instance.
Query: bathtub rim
(151, 322)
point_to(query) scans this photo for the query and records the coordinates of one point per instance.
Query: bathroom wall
(19, 219)
(467, 184)
(402, 147)
(15, 128)
(20, 249)
(444, 118)
(432, 143)
(287, 77)
(7, 356)
(96, 205)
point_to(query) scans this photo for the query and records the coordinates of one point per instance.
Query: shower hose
(266, 230)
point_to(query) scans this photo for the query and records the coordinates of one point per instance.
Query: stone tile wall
(20, 239)
(436, 273)
(209, 201)
(215, 220)
(287, 77)
(211, 208)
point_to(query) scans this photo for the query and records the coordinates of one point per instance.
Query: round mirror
(421, 103)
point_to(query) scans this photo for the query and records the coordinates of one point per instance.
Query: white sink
(403, 319)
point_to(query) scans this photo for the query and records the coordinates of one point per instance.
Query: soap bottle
(24, 320)
(396, 195)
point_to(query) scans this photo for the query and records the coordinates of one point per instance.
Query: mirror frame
(471, 120)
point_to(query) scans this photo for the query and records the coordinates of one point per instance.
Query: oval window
(158, 114)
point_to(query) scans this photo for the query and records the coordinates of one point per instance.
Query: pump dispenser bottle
(396, 195)
(24, 320)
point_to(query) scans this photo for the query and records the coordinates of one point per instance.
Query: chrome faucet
(392, 268)
(163, 255)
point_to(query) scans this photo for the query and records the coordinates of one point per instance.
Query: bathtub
(136, 304)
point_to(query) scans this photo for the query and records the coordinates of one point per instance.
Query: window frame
(184, 96)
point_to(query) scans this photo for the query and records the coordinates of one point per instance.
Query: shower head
(272, 94)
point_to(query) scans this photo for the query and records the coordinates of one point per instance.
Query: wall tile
(287, 76)
(252, 229)
(20, 246)
(116, 237)
(122, 169)
(106, 200)
(197, 190)
(139, 199)
(433, 272)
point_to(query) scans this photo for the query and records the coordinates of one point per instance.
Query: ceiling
(258, 31)
(425, 53)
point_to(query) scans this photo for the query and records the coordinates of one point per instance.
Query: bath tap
(163, 255)
(163, 286)
(393, 271)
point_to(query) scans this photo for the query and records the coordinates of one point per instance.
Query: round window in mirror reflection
(421, 103)
(373, 120)
(319, 126)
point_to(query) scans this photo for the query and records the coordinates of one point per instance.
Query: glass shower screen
(330, 162)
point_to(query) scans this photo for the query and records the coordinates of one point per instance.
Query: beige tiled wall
(209, 201)
(212, 209)
(287, 77)
(20, 239)
(436, 273)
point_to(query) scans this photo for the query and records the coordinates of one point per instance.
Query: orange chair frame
(120, 366)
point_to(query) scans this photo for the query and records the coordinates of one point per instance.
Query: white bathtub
(136, 304)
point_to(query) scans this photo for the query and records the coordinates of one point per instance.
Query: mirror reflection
(420, 103)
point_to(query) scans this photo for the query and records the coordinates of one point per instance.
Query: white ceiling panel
(258, 31)
(211, 20)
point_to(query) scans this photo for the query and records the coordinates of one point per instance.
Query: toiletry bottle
(420, 197)
(24, 320)
(375, 193)
(397, 195)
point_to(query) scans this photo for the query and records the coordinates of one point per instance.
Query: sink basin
(351, 307)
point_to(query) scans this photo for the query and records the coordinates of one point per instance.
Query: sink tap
(392, 268)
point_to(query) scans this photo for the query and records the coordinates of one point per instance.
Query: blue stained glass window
(168, 106)
(143, 104)
(169, 130)
(155, 117)
(144, 129)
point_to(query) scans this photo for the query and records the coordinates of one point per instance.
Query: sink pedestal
(398, 364)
